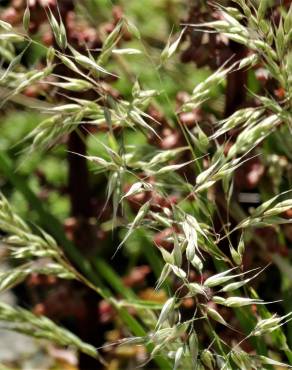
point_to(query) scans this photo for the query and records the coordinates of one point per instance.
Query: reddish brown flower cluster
(170, 137)
(248, 176)
(157, 201)
(205, 49)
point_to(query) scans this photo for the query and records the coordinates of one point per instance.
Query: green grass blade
(54, 227)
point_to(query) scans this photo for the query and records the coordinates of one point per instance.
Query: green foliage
(129, 166)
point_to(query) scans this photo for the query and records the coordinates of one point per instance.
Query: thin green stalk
(245, 318)
(278, 335)
(46, 219)
(112, 278)
(54, 227)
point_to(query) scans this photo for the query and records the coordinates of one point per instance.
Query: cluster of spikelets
(168, 335)
(38, 254)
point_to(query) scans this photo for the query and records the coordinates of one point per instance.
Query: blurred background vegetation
(64, 194)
